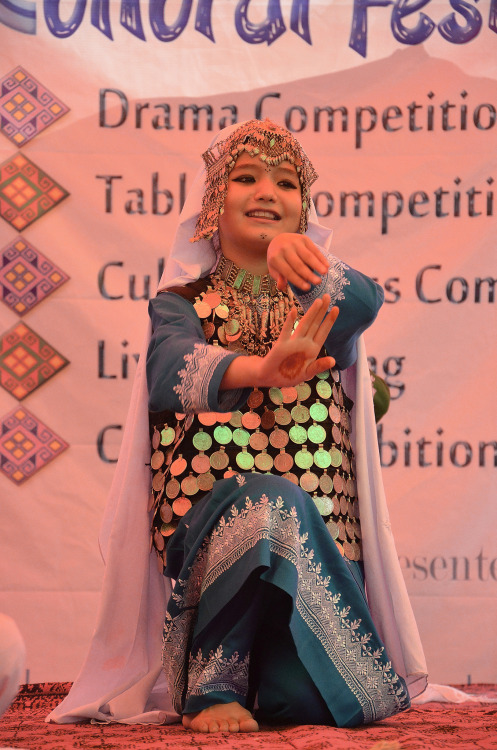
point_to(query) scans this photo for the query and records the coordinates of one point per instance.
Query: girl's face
(261, 202)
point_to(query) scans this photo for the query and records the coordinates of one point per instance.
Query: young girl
(267, 506)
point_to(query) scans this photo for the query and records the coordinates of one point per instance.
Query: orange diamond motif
(26, 192)
(27, 361)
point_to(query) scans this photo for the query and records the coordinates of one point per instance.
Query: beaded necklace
(243, 311)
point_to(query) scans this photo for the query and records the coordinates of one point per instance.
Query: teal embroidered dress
(257, 515)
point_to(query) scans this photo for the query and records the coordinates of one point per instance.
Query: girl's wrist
(243, 372)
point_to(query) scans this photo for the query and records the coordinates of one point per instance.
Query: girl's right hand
(296, 259)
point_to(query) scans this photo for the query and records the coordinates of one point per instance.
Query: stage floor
(465, 726)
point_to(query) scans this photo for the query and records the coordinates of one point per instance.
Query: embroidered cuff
(195, 379)
(331, 283)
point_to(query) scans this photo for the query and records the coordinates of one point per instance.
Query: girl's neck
(255, 264)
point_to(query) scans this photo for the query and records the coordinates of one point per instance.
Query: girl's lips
(263, 214)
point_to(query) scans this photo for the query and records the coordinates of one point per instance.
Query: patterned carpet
(466, 726)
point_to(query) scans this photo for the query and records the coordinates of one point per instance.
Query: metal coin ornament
(282, 416)
(303, 391)
(251, 420)
(189, 485)
(324, 505)
(289, 394)
(157, 460)
(158, 481)
(202, 440)
(263, 461)
(304, 458)
(241, 437)
(200, 463)
(283, 462)
(172, 489)
(202, 309)
(244, 460)
(236, 419)
(255, 399)
(206, 481)
(300, 414)
(212, 299)
(316, 433)
(167, 436)
(268, 419)
(309, 481)
(259, 441)
(181, 506)
(298, 434)
(223, 434)
(166, 513)
(178, 466)
(207, 418)
(324, 389)
(155, 439)
(220, 459)
(322, 458)
(333, 529)
(278, 438)
(318, 411)
(326, 485)
(222, 311)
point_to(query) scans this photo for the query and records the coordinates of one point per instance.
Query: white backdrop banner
(105, 108)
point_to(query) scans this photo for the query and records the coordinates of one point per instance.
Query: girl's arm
(184, 373)
(295, 259)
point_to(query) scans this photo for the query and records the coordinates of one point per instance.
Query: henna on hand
(292, 365)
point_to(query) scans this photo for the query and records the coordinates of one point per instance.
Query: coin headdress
(269, 142)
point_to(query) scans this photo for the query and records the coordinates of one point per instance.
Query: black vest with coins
(301, 432)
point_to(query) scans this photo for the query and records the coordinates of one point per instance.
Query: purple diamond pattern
(26, 106)
(27, 276)
(26, 445)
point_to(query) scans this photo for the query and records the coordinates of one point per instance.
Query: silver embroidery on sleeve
(332, 283)
(193, 388)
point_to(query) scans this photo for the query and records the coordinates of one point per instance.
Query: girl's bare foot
(223, 717)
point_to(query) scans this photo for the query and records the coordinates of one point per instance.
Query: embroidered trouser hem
(277, 682)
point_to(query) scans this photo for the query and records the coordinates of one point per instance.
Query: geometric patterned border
(27, 276)
(26, 192)
(27, 361)
(26, 445)
(26, 106)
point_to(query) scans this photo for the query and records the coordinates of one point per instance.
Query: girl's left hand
(294, 356)
(296, 259)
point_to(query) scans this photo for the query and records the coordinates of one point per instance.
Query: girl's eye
(244, 178)
(288, 185)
